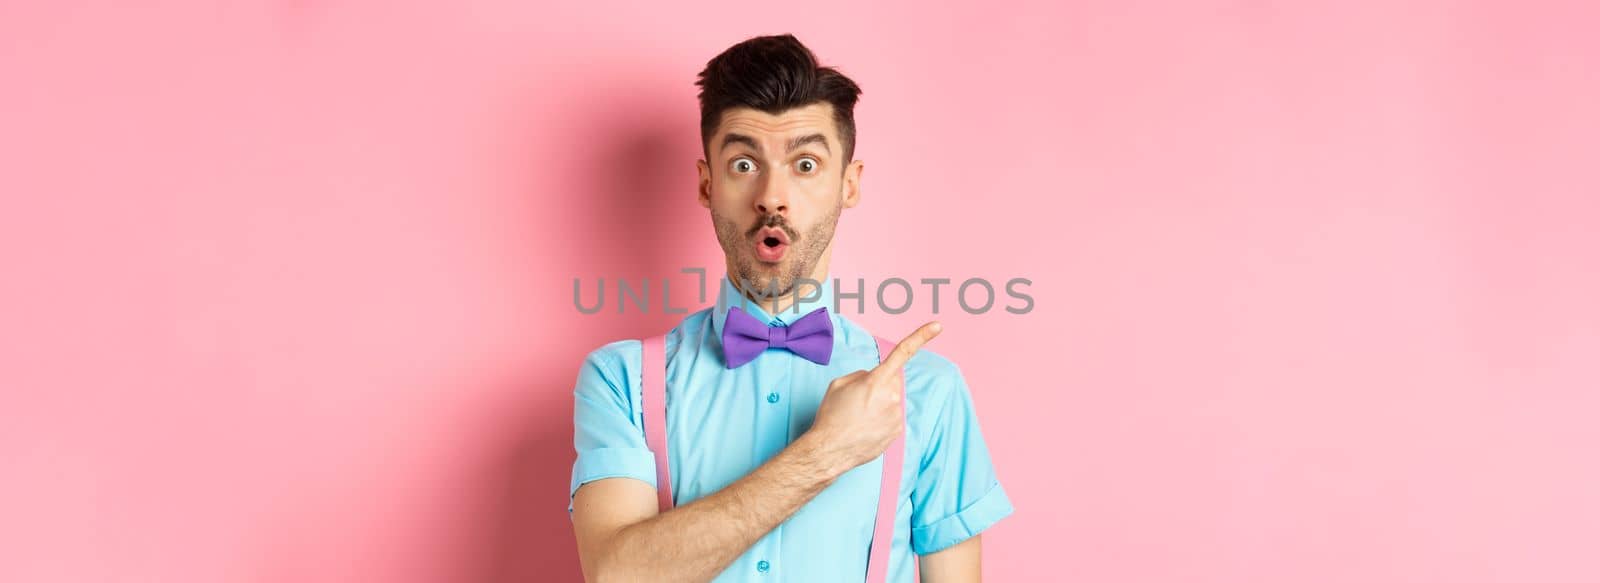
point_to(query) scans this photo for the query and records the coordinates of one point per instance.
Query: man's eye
(743, 165)
(806, 165)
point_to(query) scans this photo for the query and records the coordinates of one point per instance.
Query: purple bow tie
(744, 337)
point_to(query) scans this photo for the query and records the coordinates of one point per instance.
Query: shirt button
(763, 566)
(772, 397)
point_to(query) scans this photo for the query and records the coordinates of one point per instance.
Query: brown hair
(774, 74)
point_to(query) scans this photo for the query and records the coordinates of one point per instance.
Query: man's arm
(958, 564)
(623, 537)
(957, 495)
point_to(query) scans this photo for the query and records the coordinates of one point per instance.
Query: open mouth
(771, 243)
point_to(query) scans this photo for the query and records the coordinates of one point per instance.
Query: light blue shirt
(722, 424)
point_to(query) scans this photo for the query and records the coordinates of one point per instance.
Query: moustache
(773, 221)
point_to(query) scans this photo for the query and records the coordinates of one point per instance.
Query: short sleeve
(957, 495)
(607, 425)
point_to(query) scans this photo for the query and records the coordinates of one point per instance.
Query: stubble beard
(756, 277)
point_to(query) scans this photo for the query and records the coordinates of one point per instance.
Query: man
(776, 455)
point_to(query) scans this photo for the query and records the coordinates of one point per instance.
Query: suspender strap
(653, 377)
(654, 384)
(889, 493)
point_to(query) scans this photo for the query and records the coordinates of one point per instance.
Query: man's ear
(852, 183)
(705, 182)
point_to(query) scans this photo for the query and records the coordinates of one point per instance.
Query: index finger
(903, 351)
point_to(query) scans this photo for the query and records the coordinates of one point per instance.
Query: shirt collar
(729, 296)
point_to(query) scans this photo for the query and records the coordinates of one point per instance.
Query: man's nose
(774, 197)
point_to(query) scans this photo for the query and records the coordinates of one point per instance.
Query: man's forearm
(697, 541)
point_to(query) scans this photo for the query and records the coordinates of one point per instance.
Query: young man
(776, 447)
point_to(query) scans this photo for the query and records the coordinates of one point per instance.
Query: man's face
(775, 185)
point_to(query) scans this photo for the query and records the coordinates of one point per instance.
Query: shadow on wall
(623, 205)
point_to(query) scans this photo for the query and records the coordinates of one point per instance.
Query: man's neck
(757, 295)
(775, 304)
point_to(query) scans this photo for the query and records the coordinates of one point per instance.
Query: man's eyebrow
(809, 139)
(731, 139)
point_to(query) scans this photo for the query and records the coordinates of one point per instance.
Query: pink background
(287, 286)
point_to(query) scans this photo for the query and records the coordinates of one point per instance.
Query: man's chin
(765, 266)
(763, 274)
